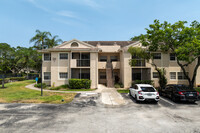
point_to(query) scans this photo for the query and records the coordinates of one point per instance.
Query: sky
(88, 20)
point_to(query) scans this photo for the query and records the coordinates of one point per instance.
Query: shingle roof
(110, 43)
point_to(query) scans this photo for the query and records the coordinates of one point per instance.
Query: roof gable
(80, 44)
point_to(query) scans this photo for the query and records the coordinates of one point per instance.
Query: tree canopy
(177, 38)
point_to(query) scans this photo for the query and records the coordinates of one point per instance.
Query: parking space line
(167, 101)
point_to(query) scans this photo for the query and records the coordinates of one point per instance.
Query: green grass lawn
(17, 93)
(123, 91)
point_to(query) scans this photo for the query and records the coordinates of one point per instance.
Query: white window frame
(173, 75)
(153, 75)
(170, 57)
(44, 58)
(63, 78)
(47, 79)
(160, 56)
(64, 53)
(181, 75)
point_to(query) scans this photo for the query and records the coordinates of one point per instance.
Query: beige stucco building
(106, 62)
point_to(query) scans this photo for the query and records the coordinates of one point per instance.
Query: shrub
(6, 80)
(79, 83)
(142, 82)
(119, 85)
(39, 80)
(18, 78)
(39, 85)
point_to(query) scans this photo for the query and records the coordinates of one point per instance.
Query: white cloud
(91, 3)
(66, 14)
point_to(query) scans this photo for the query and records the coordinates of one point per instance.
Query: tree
(40, 39)
(6, 58)
(177, 38)
(25, 58)
(146, 55)
(53, 42)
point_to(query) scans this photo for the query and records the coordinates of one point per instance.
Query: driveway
(87, 114)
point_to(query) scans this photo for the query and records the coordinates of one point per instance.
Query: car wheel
(130, 93)
(193, 101)
(136, 99)
(160, 93)
(173, 98)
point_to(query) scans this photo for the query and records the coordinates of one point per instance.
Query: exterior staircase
(109, 75)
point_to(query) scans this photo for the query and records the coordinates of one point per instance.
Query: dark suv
(179, 93)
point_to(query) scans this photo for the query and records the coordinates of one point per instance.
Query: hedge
(142, 82)
(79, 83)
(119, 85)
(18, 78)
(39, 85)
(6, 80)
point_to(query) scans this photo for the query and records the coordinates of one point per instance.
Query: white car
(142, 92)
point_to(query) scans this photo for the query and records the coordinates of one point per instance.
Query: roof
(109, 43)
(144, 85)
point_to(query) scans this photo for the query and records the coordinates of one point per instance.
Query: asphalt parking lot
(86, 114)
(163, 102)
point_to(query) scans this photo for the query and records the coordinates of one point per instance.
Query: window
(103, 58)
(181, 75)
(85, 56)
(172, 57)
(156, 55)
(113, 58)
(63, 75)
(47, 57)
(155, 75)
(47, 75)
(172, 75)
(148, 89)
(102, 75)
(63, 56)
(74, 44)
(84, 76)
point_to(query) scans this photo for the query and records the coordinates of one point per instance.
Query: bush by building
(79, 83)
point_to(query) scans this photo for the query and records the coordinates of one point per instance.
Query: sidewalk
(109, 96)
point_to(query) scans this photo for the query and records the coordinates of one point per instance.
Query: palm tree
(40, 39)
(50, 43)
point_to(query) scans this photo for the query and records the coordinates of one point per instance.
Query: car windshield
(148, 89)
(184, 88)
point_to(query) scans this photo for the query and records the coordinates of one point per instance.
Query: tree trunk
(3, 81)
(190, 82)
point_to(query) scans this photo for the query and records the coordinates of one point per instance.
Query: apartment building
(106, 62)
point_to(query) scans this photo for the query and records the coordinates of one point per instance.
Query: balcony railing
(83, 63)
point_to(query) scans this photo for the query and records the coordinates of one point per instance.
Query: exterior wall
(125, 70)
(126, 73)
(58, 66)
(94, 69)
(111, 49)
(46, 67)
(170, 66)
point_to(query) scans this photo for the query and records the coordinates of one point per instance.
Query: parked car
(179, 92)
(144, 92)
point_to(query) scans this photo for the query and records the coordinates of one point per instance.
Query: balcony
(80, 63)
(102, 65)
(116, 65)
